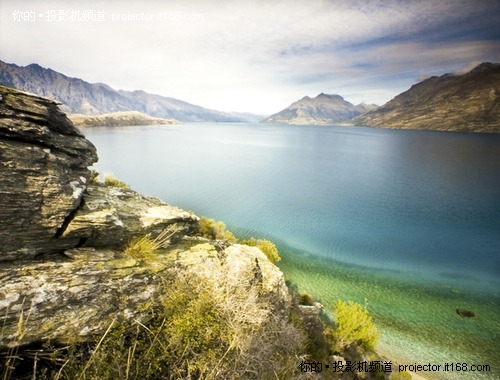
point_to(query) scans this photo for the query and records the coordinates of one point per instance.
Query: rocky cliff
(43, 166)
(321, 110)
(463, 103)
(64, 269)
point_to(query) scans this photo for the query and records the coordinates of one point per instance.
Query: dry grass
(112, 181)
(146, 248)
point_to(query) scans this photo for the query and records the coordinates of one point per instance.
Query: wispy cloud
(256, 55)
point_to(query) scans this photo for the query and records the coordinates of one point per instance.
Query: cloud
(256, 55)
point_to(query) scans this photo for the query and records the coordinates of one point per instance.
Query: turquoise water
(408, 220)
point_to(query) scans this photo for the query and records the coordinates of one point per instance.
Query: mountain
(78, 96)
(466, 103)
(321, 110)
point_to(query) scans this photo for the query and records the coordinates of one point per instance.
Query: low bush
(94, 177)
(354, 326)
(203, 329)
(266, 246)
(215, 230)
(305, 299)
(403, 375)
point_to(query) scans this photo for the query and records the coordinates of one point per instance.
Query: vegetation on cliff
(214, 316)
(216, 230)
(124, 286)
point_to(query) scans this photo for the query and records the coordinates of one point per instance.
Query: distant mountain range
(80, 97)
(321, 110)
(467, 103)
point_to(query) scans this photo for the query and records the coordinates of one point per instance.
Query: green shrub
(354, 326)
(112, 181)
(214, 230)
(266, 246)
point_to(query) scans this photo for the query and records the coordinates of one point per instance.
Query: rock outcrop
(64, 271)
(112, 216)
(324, 109)
(44, 163)
(462, 103)
(75, 296)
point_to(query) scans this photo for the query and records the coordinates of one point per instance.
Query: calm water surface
(405, 221)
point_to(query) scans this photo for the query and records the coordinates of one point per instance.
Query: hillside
(321, 110)
(117, 119)
(80, 97)
(462, 103)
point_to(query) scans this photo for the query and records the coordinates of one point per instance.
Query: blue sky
(256, 56)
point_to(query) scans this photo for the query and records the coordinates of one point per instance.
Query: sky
(252, 56)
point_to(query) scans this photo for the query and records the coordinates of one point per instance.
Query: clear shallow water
(409, 220)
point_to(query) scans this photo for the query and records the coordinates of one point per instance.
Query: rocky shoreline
(118, 119)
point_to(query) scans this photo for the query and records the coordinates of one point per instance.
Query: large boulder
(44, 163)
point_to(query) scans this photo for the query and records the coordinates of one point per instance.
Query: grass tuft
(145, 248)
(112, 181)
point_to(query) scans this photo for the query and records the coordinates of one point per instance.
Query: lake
(406, 222)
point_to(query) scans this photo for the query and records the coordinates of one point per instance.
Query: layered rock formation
(43, 166)
(64, 272)
(462, 103)
(324, 109)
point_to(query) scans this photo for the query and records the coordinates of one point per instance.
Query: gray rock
(74, 297)
(112, 216)
(43, 166)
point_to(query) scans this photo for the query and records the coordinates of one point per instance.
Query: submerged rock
(466, 313)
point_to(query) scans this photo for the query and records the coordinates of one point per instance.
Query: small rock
(466, 313)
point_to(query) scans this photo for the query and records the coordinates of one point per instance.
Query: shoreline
(419, 324)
